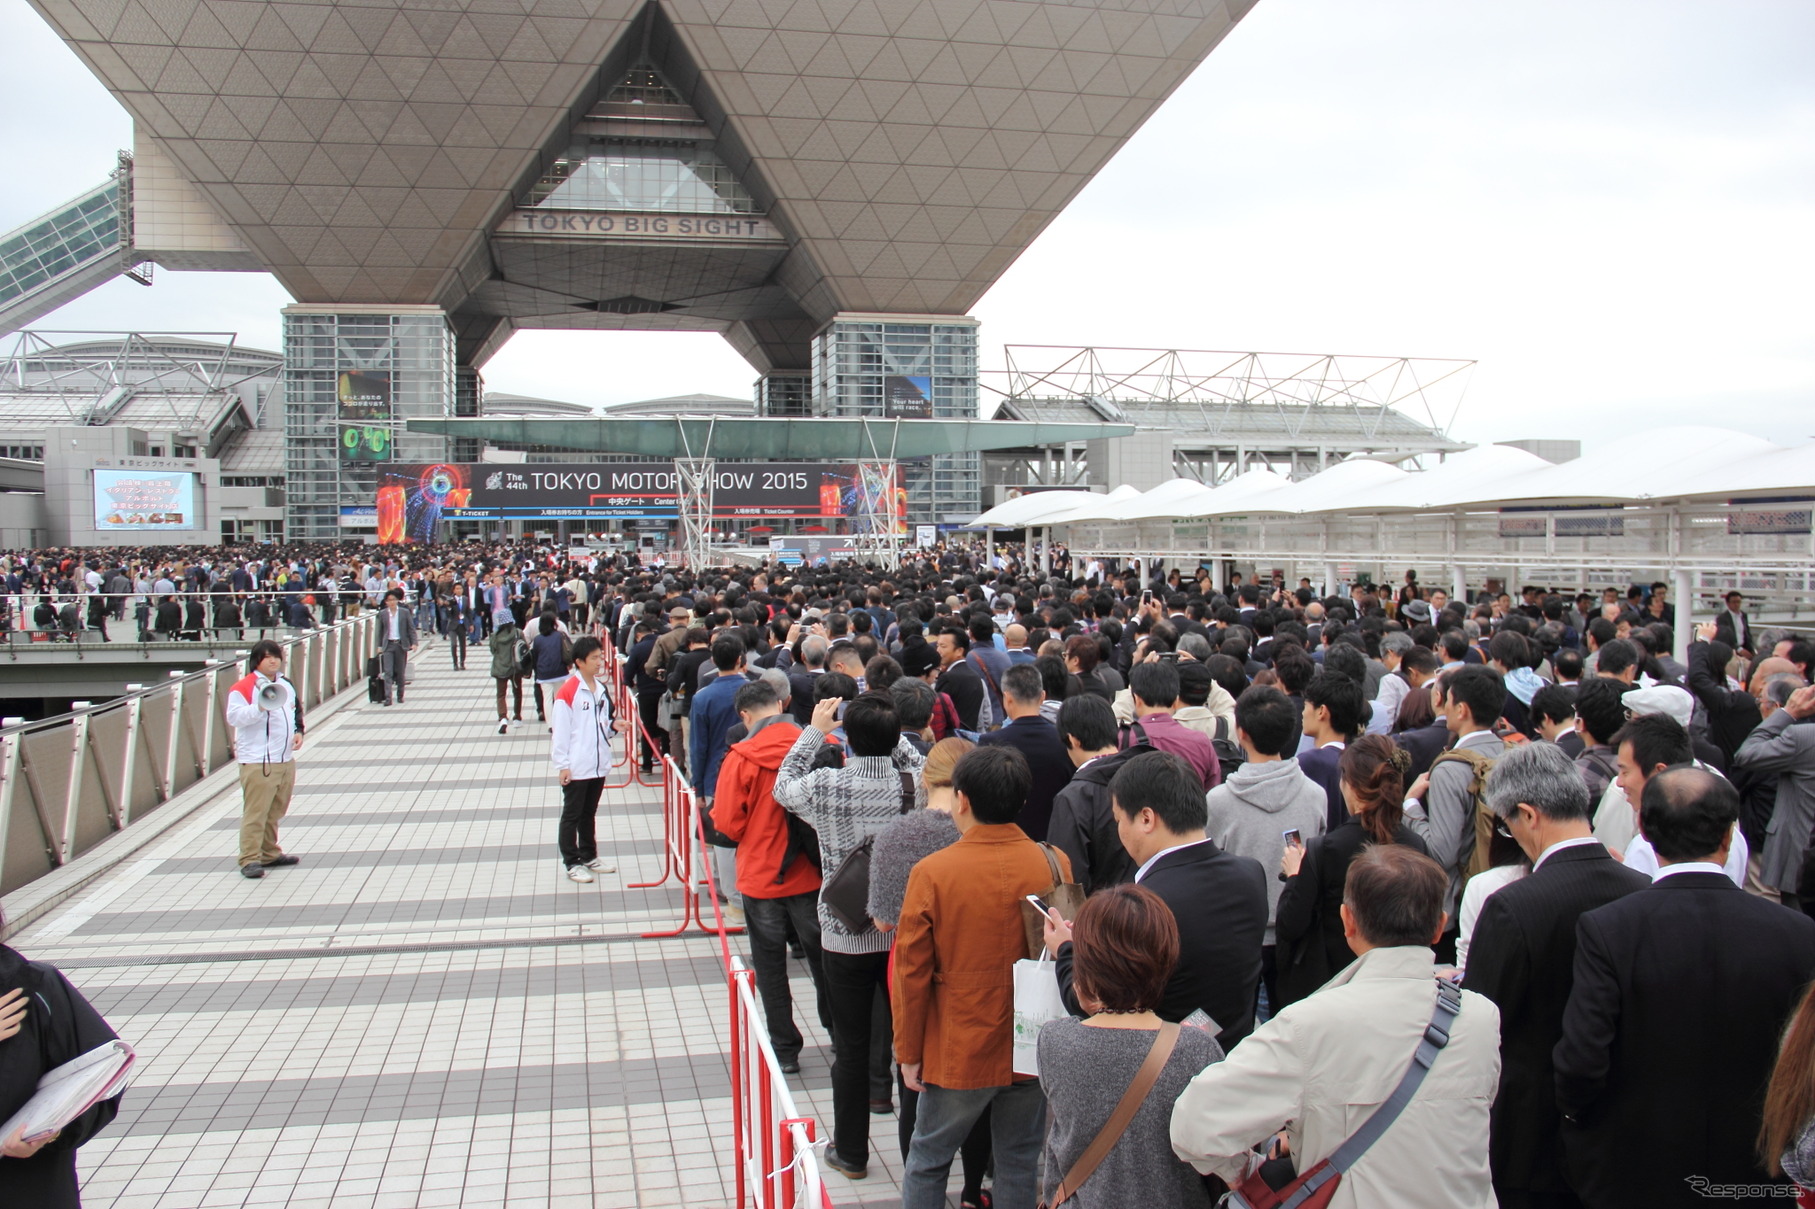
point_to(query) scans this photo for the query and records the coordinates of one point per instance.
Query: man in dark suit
(1680, 997)
(958, 679)
(1523, 958)
(1035, 738)
(1733, 626)
(1218, 899)
(1331, 717)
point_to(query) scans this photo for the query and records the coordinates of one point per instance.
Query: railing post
(213, 667)
(9, 780)
(78, 748)
(130, 758)
(176, 734)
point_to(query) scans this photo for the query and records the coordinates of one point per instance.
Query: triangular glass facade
(642, 148)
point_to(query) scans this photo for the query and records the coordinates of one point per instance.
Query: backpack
(1480, 856)
(1229, 753)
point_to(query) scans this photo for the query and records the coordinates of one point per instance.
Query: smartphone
(1146, 596)
(1040, 905)
(1293, 838)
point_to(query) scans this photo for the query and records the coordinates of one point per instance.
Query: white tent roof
(1240, 494)
(1645, 464)
(1474, 474)
(1044, 507)
(1162, 501)
(1347, 485)
(1785, 471)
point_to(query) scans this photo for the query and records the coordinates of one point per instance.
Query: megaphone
(270, 695)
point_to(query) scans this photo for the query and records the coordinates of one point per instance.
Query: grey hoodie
(1252, 810)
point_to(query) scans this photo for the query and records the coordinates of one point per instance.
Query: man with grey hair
(802, 676)
(1522, 956)
(1393, 686)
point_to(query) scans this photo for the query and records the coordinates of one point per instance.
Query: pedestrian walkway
(424, 1012)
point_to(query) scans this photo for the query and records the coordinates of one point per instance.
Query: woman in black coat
(57, 1026)
(1308, 925)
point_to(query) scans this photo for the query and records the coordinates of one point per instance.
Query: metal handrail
(69, 781)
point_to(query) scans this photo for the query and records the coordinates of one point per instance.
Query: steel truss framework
(1227, 412)
(91, 373)
(694, 500)
(876, 519)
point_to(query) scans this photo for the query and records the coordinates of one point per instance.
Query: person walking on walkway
(266, 716)
(507, 672)
(396, 639)
(581, 754)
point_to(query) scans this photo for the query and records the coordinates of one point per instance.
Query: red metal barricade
(776, 1148)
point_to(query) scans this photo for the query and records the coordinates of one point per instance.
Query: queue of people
(1418, 900)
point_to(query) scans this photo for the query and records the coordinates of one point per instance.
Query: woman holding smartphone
(1312, 947)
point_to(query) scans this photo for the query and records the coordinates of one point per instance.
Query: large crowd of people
(1473, 901)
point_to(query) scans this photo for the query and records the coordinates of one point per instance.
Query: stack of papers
(71, 1090)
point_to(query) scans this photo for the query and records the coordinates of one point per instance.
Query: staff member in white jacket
(1320, 1068)
(581, 754)
(265, 742)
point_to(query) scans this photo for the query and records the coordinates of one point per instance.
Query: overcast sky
(1611, 206)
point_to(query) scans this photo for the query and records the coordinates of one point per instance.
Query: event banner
(412, 497)
(137, 500)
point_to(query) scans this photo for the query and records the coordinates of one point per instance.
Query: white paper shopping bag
(1037, 1000)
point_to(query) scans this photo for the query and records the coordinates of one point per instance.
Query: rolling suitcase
(374, 680)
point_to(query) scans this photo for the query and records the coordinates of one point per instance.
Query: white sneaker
(578, 873)
(600, 865)
(503, 726)
(734, 917)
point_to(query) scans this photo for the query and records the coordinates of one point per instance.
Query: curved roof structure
(752, 167)
(1685, 463)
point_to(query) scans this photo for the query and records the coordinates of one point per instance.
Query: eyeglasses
(1500, 829)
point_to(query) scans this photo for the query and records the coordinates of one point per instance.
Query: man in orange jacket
(779, 881)
(954, 992)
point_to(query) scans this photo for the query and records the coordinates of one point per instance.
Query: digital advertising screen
(364, 395)
(905, 398)
(138, 500)
(365, 443)
(412, 499)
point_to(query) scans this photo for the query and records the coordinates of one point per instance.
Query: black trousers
(579, 810)
(767, 921)
(456, 643)
(647, 701)
(851, 983)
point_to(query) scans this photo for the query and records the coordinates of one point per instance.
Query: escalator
(59, 257)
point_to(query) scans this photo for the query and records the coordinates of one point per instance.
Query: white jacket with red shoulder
(582, 725)
(262, 736)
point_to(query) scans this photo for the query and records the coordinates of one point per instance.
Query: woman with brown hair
(1124, 945)
(1312, 947)
(1786, 1137)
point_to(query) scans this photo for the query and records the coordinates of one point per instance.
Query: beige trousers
(265, 789)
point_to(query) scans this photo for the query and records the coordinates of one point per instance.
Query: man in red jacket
(779, 881)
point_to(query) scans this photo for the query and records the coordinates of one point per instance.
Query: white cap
(1664, 699)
